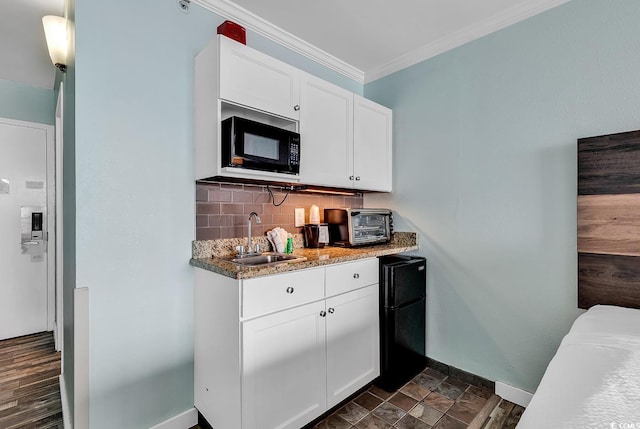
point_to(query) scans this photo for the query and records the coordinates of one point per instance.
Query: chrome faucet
(250, 248)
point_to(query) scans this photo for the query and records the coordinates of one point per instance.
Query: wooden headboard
(609, 220)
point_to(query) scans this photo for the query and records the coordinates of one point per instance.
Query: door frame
(58, 332)
(51, 231)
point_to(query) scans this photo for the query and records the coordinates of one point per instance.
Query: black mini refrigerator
(403, 284)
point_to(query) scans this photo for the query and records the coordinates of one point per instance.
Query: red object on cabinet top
(233, 31)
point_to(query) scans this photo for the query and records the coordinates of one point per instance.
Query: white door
(283, 368)
(23, 183)
(326, 133)
(353, 342)
(372, 128)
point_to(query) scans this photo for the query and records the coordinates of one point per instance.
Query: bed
(593, 381)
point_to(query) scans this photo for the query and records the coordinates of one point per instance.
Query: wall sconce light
(55, 31)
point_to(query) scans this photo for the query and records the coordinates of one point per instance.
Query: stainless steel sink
(269, 258)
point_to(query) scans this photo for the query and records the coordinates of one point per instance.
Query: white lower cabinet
(353, 346)
(283, 367)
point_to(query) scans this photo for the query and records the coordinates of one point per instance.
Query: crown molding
(461, 37)
(250, 21)
(229, 10)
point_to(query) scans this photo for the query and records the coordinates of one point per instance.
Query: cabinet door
(372, 137)
(253, 79)
(353, 342)
(284, 368)
(326, 133)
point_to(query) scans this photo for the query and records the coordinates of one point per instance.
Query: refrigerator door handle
(406, 304)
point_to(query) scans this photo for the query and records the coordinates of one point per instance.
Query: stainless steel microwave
(358, 227)
(252, 145)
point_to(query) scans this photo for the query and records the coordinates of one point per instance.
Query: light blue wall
(26, 103)
(485, 171)
(135, 205)
(135, 196)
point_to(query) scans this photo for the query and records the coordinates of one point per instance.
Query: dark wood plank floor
(29, 389)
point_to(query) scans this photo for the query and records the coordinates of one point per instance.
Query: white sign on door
(5, 186)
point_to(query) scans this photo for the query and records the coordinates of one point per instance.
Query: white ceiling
(367, 39)
(24, 56)
(363, 39)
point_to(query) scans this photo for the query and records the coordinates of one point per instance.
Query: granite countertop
(210, 254)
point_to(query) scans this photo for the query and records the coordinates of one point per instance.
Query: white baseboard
(56, 342)
(513, 394)
(183, 420)
(64, 397)
(81, 357)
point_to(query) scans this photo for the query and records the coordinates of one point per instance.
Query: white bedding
(593, 381)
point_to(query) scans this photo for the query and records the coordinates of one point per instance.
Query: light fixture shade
(55, 30)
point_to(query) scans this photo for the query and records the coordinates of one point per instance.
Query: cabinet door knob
(296, 107)
(350, 177)
(356, 276)
(289, 289)
(323, 313)
(357, 177)
(331, 310)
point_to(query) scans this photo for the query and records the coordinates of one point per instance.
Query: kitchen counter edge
(315, 258)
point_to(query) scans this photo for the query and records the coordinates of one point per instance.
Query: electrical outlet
(299, 217)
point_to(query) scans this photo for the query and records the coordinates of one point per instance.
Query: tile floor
(430, 400)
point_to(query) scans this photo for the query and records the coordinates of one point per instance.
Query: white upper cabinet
(326, 133)
(345, 139)
(256, 80)
(372, 137)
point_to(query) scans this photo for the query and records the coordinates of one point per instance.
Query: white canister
(314, 214)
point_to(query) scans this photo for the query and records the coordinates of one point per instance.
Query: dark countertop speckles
(401, 242)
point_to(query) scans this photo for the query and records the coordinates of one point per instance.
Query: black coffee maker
(316, 235)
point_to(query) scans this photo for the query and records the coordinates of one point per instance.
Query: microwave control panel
(294, 152)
